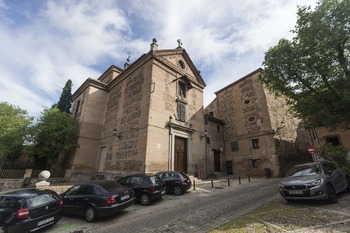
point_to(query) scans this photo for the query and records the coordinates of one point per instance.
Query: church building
(147, 117)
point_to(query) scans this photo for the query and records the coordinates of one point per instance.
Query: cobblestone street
(200, 210)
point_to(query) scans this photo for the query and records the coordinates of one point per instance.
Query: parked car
(94, 199)
(28, 210)
(175, 182)
(147, 188)
(319, 180)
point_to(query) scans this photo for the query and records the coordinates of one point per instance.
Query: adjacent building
(261, 137)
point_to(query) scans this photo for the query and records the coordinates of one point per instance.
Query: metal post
(249, 179)
(212, 184)
(194, 185)
(239, 180)
(228, 182)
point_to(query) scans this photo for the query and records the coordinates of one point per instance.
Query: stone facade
(145, 118)
(149, 117)
(322, 135)
(260, 134)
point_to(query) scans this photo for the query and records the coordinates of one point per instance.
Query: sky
(45, 43)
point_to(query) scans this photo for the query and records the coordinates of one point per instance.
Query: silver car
(319, 181)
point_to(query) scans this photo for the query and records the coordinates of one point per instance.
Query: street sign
(311, 149)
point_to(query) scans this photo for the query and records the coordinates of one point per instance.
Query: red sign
(311, 149)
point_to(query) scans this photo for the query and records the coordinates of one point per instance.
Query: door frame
(171, 159)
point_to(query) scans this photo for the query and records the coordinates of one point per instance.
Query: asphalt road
(197, 210)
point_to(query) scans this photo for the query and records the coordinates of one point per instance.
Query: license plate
(42, 222)
(295, 192)
(163, 192)
(124, 197)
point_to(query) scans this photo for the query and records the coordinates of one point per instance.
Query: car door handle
(86, 199)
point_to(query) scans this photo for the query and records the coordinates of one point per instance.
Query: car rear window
(155, 179)
(111, 186)
(9, 202)
(42, 199)
(184, 175)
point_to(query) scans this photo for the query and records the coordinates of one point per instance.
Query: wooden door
(217, 163)
(180, 154)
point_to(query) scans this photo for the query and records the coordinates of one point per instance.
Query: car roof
(26, 192)
(142, 174)
(98, 182)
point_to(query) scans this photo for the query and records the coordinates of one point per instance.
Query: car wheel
(177, 190)
(145, 199)
(90, 214)
(332, 195)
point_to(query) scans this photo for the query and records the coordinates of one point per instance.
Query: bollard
(194, 185)
(239, 180)
(228, 182)
(212, 184)
(249, 179)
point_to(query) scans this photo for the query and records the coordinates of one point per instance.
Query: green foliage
(313, 69)
(338, 155)
(14, 124)
(65, 102)
(55, 133)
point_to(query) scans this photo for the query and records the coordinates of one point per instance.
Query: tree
(65, 102)
(14, 123)
(338, 155)
(55, 133)
(313, 69)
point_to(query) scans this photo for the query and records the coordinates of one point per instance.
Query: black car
(29, 210)
(94, 199)
(175, 182)
(147, 188)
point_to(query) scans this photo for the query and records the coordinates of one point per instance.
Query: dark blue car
(147, 188)
(176, 182)
(95, 199)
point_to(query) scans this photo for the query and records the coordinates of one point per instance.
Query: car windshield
(305, 170)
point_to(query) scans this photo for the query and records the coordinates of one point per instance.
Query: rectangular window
(182, 90)
(234, 146)
(334, 140)
(255, 143)
(181, 111)
(77, 107)
(254, 163)
(208, 140)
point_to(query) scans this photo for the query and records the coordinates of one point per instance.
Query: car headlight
(315, 183)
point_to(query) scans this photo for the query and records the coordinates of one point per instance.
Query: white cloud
(45, 43)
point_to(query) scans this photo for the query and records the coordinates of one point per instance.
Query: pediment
(180, 62)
